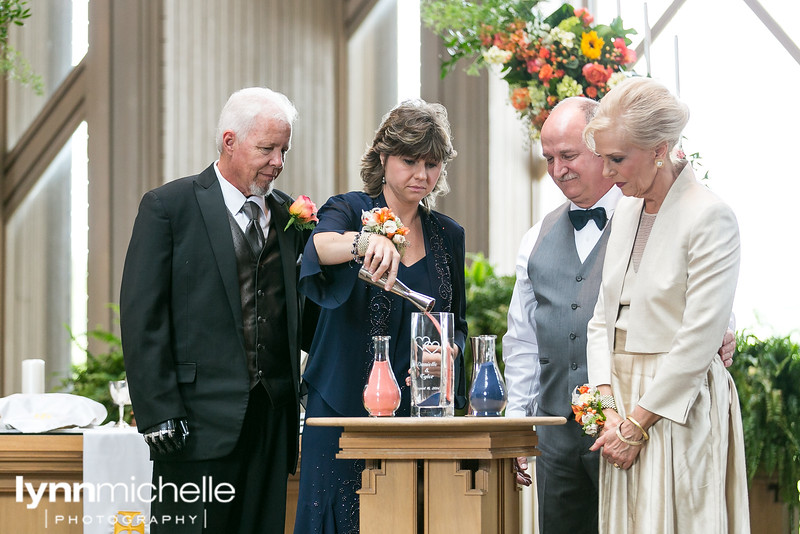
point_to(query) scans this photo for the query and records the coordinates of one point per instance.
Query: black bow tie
(579, 218)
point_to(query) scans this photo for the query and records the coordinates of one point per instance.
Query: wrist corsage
(383, 222)
(302, 214)
(588, 409)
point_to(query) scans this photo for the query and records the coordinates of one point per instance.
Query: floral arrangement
(588, 410)
(543, 60)
(383, 221)
(302, 214)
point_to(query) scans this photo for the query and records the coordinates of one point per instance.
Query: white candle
(33, 376)
(677, 71)
(646, 40)
(619, 11)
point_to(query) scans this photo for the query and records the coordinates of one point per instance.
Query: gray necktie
(253, 232)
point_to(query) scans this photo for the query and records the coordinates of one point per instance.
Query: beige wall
(214, 47)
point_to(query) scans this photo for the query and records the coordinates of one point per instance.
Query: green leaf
(91, 379)
(767, 377)
(562, 13)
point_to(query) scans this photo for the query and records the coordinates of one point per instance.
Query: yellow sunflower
(591, 45)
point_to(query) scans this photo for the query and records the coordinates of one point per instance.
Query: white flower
(399, 240)
(586, 399)
(564, 37)
(389, 227)
(496, 56)
(616, 79)
(369, 218)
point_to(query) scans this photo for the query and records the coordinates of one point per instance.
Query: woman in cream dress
(673, 446)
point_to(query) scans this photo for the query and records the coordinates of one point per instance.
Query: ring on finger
(616, 466)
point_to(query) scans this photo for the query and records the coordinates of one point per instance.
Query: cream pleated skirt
(688, 478)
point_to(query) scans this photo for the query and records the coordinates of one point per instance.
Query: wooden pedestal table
(432, 475)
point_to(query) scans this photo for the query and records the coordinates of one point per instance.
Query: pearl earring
(659, 163)
(383, 180)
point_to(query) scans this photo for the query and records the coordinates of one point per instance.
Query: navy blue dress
(341, 353)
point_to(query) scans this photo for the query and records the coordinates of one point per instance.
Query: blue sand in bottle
(487, 395)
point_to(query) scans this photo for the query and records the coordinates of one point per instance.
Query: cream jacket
(683, 297)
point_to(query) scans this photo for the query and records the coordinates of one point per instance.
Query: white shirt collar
(608, 201)
(235, 199)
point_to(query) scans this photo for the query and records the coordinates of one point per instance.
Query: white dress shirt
(234, 200)
(520, 345)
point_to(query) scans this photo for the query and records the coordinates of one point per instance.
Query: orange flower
(520, 98)
(591, 91)
(596, 74)
(302, 213)
(545, 73)
(303, 208)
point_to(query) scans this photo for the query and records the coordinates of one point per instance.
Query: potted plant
(90, 379)
(767, 376)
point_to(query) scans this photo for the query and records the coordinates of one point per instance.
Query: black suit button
(572, 335)
(260, 347)
(260, 374)
(260, 293)
(574, 306)
(574, 366)
(262, 319)
(579, 278)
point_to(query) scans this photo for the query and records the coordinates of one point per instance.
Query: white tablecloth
(116, 463)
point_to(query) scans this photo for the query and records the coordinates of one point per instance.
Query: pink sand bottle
(381, 394)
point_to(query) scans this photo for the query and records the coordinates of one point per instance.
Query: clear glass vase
(432, 351)
(381, 392)
(488, 394)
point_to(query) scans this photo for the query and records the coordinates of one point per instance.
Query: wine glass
(121, 396)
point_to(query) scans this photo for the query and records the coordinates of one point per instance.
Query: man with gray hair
(212, 328)
(558, 269)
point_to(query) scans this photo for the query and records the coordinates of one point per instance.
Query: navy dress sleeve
(330, 285)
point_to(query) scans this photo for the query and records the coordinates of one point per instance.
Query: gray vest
(566, 291)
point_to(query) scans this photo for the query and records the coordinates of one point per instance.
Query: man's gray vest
(566, 291)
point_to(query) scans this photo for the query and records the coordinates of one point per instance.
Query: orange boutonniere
(302, 214)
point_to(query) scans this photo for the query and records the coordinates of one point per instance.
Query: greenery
(767, 376)
(12, 63)
(91, 378)
(488, 297)
(460, 25)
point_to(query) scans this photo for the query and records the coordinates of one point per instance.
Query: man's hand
(728, 346)
(167, 437)
(521, 467)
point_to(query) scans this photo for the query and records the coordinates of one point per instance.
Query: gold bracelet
(628, 441)
(635, 422)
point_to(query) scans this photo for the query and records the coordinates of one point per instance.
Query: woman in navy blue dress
(403, 170)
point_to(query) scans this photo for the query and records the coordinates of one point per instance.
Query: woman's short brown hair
(413, 129)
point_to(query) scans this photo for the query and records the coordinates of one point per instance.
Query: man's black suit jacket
(181, 313)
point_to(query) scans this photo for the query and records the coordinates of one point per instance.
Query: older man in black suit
(212, 327)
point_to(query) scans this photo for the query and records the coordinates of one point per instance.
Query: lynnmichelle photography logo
(130, 495)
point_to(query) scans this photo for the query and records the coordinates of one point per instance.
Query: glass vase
(488, 394)
(381, 393)
(432, 350)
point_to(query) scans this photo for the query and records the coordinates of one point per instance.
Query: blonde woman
(673, 446)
